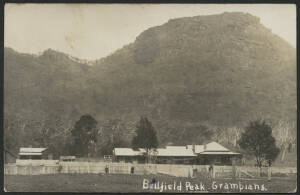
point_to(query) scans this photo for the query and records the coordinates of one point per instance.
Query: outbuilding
(33, 153)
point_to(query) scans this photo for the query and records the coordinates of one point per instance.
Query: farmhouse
(211, 153)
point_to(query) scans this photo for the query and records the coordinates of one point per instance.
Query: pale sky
(93, 31)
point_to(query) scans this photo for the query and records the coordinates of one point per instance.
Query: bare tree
(284, 132)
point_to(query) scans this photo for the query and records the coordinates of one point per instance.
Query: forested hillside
(194, 78)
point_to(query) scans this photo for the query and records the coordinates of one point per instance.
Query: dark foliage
(145, 135)
(258, 140)
(85, 135)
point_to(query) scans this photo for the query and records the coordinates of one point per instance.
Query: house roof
(32, 150)
(67, 157)
(175, 147)
(210, 148)
(219, 153)
(175, 151)
(128, 152)
(30, 153)
(214, 146)
(198, 148)
(168, 151)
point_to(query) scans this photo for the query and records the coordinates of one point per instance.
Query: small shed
(33, 153)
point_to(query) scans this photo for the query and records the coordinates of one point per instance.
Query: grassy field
(134, 183)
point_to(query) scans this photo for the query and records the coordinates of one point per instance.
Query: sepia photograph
(159, 98)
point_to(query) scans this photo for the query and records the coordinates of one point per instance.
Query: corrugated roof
(198, 148)
(32, 150)
(128, 152)
(210, 148)
(175, 147)
(214, 146)
(30, 153)
(169, 151)
(178, 151)
(67, 157)
(220, 153)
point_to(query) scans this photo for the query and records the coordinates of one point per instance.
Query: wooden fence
(36, 162)
(141, 169)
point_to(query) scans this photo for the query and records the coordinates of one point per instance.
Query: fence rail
(140, 169)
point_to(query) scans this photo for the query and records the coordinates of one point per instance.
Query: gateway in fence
(211, 153)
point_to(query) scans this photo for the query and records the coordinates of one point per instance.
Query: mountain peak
(53, 53)
(221, 69)
(237, 18)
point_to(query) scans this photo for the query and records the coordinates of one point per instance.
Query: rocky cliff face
(222, 69)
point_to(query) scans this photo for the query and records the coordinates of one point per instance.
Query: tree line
(89, 138)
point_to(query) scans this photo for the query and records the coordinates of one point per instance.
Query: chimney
(204, 146)
(193, 148)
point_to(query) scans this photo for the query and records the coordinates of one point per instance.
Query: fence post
(234, 171)
(269, 173)
(30, 169)
(191, 172)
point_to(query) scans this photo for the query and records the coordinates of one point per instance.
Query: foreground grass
(134, 183)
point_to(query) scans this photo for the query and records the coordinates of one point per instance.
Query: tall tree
(145, 136)
(85, 135)
(257, 139)
(113, 134)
